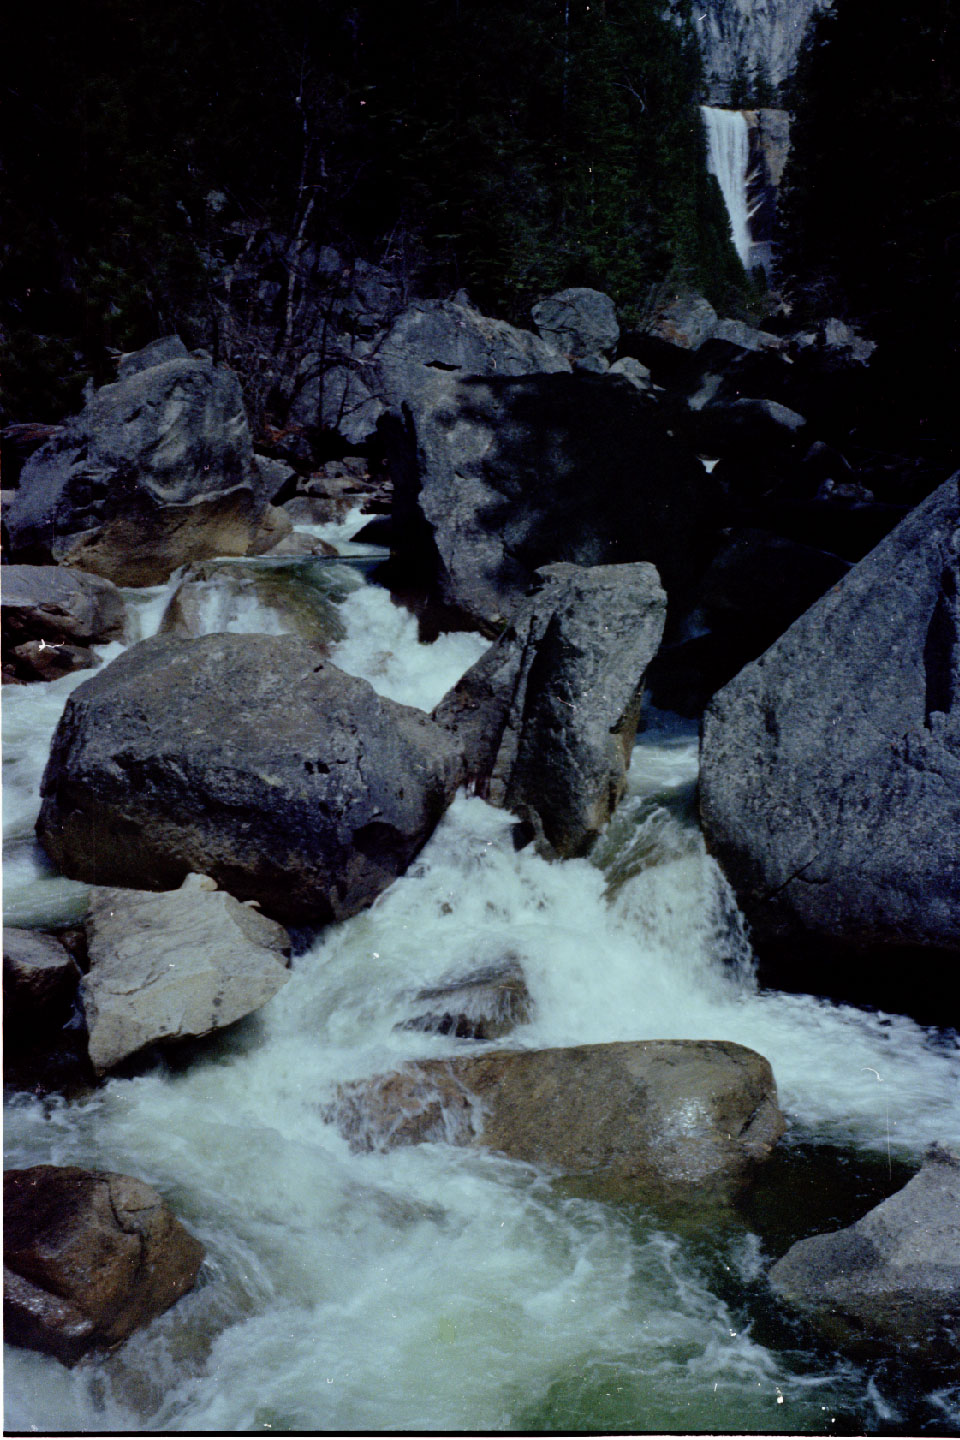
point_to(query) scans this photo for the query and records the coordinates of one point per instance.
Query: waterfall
(728, 157)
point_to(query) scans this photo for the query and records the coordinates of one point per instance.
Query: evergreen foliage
(517, 149)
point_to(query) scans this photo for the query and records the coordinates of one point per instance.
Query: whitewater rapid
(434, 1289)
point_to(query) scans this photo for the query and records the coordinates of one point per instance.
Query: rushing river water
(435, 1289)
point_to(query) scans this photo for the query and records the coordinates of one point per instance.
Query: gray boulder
(893, 1278)
(248, 758)
(830, 767)
(547, 717)
(89, 1257)
(685, 321)
(48, 602)
(173, 966)
(655, 1117)
(494, 478)
(39, 979)
(336, 398)
(157, 469)
(581, 324)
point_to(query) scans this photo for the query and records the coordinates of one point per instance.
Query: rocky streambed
(396, 979)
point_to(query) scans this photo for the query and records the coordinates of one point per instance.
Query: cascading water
(728, 158)
(437, 1289)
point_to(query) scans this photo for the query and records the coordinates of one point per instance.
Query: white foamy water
(728, 157)
(437, 1289)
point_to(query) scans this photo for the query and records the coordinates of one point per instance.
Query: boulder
(274, 526)
(631, 369)
(89, 1257)
(580, 324)
(685, 321)
(830, 767)
(496, 477)
(48, 602)
(339, 399)
(546, 718)
(654, 1116)
(39, 979)
(893, 1278)
(276, 598)
(38, 660)
(248, 758)
(484, 1005)
(158, 469)
(174, 966)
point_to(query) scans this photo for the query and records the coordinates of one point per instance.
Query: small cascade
(728, 157)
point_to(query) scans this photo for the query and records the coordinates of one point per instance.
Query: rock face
(547, 717)
(756, 39)
(894, 1276)
(157, 469)
(167, 967)
(830, 774)
(248, 758)
(659, 1116)
(581, 324)
(89, 1257)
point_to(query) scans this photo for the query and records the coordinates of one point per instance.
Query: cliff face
(755, 40)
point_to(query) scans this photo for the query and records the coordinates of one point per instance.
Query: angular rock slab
(894, 1276)
(581, 324)
(158, 469)
(39, 977)
(89, 1257)
(171, 966)
(248, 758)
(547, 717)
(661, 1116)
(830, 767)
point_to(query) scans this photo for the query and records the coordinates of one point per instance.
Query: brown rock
(655, 1116)
(91, 1257)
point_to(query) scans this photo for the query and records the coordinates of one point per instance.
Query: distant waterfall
(728, 157)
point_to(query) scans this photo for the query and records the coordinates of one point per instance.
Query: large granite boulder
(661, 1117)
(495, 477)
(248, 758)
(89, 1257)
(156, 470)
(546, 719)
(174, 966)
(893, 1278)
(830, 779)
(581, 324)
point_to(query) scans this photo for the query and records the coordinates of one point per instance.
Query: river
(437, 1289)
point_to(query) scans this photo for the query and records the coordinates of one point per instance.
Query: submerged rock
(248, 758)
(158, 469)
(89, 1257)
(893, 1278)
(484, 1005)
(547, 717)
(172, 966)
(830, 775)
(654, 1116)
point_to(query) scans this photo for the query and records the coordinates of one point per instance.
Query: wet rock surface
(173, 966)
(893, 1276)
(486, 1004)
(89, 1257)
(656, 1116)
(295, 784)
